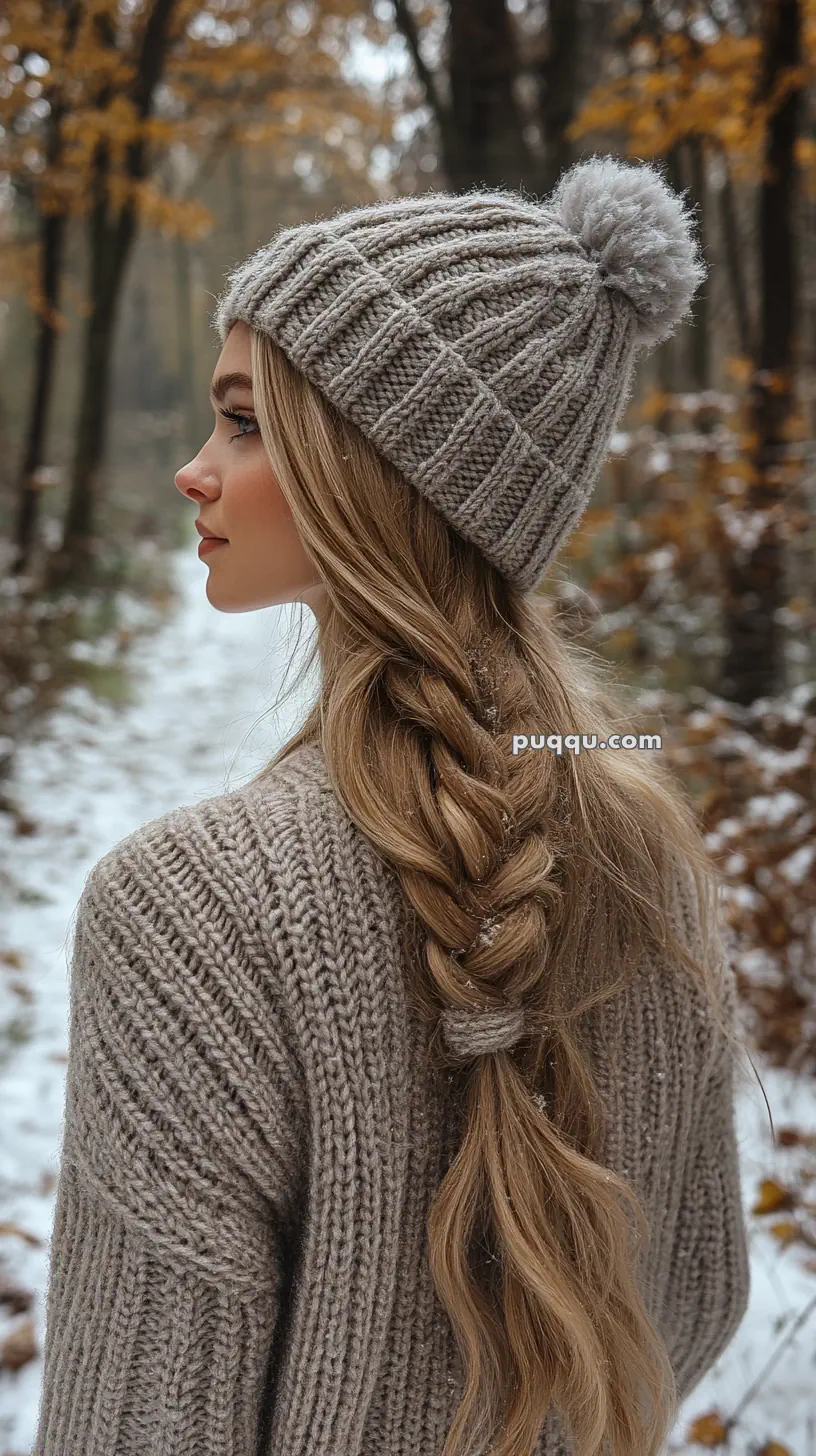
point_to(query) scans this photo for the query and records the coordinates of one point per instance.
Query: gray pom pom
(639, 232)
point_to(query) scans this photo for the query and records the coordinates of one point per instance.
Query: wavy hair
(532, 878)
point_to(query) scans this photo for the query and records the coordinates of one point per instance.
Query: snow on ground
(195, 729)
(201, 684)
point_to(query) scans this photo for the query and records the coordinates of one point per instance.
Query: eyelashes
(240, 420)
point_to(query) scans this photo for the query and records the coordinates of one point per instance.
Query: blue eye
(240, 420)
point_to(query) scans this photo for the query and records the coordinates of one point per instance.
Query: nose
(196, 481)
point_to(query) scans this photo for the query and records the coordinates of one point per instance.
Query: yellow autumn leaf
(739, 367)
(772, 1196)
(773, 1448)
(654, 403)
(785, 1231)
(708, 1430)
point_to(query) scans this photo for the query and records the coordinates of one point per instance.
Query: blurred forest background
(147, 145)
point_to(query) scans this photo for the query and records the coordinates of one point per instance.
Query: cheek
(258, 516)
(265, 564)
(254, 500)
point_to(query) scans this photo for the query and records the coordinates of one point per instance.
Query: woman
(399, 1104)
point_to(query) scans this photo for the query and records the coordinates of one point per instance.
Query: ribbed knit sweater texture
(253, 1139)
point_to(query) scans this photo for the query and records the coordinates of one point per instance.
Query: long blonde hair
(429, 662)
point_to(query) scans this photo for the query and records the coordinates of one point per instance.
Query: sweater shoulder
(180, 994)
(231, 902)
(222, 836)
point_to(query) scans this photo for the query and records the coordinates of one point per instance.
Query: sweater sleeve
(709, 1278)
(168, 1255)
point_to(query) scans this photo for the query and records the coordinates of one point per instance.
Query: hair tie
(469, 1034)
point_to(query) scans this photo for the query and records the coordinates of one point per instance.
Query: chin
(223, 603)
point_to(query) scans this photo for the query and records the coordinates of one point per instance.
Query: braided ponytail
(536, 886)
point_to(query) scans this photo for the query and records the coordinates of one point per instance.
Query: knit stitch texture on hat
(484, 342)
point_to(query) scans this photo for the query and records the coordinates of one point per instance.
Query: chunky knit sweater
(253, 1139)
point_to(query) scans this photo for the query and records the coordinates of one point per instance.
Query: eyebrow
(225, 382)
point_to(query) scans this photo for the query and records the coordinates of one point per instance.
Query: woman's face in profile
(260, 562)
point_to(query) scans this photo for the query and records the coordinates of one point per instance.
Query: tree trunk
(755, 585)
(666, 360)
(111, 238)
(184, 335)
(700, 331)
(483, 142)
(110, 245)
(52, 237)
(52, 228)
(238, 190)
(559, 91)
(734, 267)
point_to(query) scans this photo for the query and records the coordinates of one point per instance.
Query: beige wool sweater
(252, 1143)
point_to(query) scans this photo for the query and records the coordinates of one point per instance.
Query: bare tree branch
(407, 27)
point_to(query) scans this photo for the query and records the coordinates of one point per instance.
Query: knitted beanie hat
(483, 341)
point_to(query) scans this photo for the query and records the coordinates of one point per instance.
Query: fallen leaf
(17, 1299)
(789, 1137)
(786, 1231)
(24, 827)
(19, 1347)
(772, 1196)
(22, 990)
(708, 1430)
(14, 1228)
